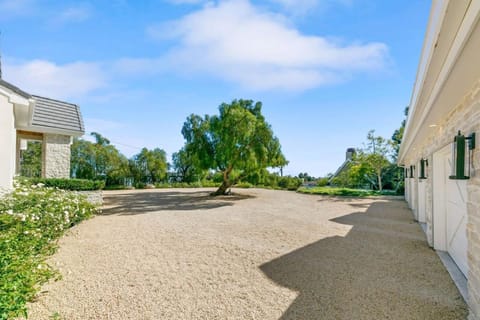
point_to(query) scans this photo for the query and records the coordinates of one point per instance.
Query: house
(25, 117)
(345, 165)
(439, 153)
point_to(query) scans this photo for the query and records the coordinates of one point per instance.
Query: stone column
(56, 156)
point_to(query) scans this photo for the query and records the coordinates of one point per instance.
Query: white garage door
(413, 196)
(456, 222)
(449, 210)
(422, 195)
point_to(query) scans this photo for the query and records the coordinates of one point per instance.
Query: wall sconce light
(423, 167)
(461, 155)
(405, 174)
(412, 168)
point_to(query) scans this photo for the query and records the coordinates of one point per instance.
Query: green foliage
(238, 139)
(186, 165)
(31, 160)
(289, 183)
(149, 166)
(335, 191)
(70, 184)
(98, 161)
(322, 182)
(32, 218)
(198, 184)
(244, 185)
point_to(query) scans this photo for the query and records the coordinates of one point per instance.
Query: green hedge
(70, 184)
(334, 191)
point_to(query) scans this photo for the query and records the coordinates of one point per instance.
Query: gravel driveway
(260, 254)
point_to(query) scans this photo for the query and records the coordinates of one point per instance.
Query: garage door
(422, 195)
(456, 222)
(449, 210)
(413, 200)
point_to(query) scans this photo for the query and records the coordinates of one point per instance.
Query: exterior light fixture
(461, 156)
(405, 174)
(412, 168)
(423, 167)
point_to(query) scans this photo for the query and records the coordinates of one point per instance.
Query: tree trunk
(379, 175)
(226, 184)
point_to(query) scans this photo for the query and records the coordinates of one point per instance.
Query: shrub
(244, 185)
(32, 218)
(334, 191)
(289, 183)
(69, 184)
(322, 182)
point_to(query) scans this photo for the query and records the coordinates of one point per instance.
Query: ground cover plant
(32, 218)
(335, 191)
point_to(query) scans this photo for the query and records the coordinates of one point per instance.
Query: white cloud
(56, 81)
(236, 41)
(298, 6)
(73, 14)
(303, 6)
(187, 1)
(13, 8)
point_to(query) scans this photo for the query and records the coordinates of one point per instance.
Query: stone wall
(56, 156)
(94, 197)
(465, 117)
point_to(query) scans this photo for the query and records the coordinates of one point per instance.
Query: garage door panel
(456, 219)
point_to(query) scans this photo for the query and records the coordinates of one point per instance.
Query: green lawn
(333, 191)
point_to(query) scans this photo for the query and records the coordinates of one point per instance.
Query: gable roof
(15, 89)
(57, 115)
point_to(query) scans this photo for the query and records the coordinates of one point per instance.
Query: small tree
(238, 138)
(375, 156)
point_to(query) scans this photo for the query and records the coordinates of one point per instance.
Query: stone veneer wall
(56, 156)
(465, 117)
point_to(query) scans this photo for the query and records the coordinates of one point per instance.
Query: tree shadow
(132, 202)
(382, 269)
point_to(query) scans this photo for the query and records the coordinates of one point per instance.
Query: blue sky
(327, 71)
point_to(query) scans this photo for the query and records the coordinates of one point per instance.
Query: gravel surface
(259, 254)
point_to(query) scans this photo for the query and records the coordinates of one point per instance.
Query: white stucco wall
(7, 143)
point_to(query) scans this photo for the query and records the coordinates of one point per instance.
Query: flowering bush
(32, 218)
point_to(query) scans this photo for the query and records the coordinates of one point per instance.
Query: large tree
(150, 165)
(238, 138)
(98, 160)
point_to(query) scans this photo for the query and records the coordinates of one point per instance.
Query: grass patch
(32, 218)
(345, 192)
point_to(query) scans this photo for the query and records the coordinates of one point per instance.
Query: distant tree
(238, 138)
(150, 166)
(185, 165)
(375, 157)
(31, 160)
(97, 160)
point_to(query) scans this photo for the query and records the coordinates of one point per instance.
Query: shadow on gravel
(382, 269)
(143, 202)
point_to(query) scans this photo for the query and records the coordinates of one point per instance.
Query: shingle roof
(14, 89)
(55, 114)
